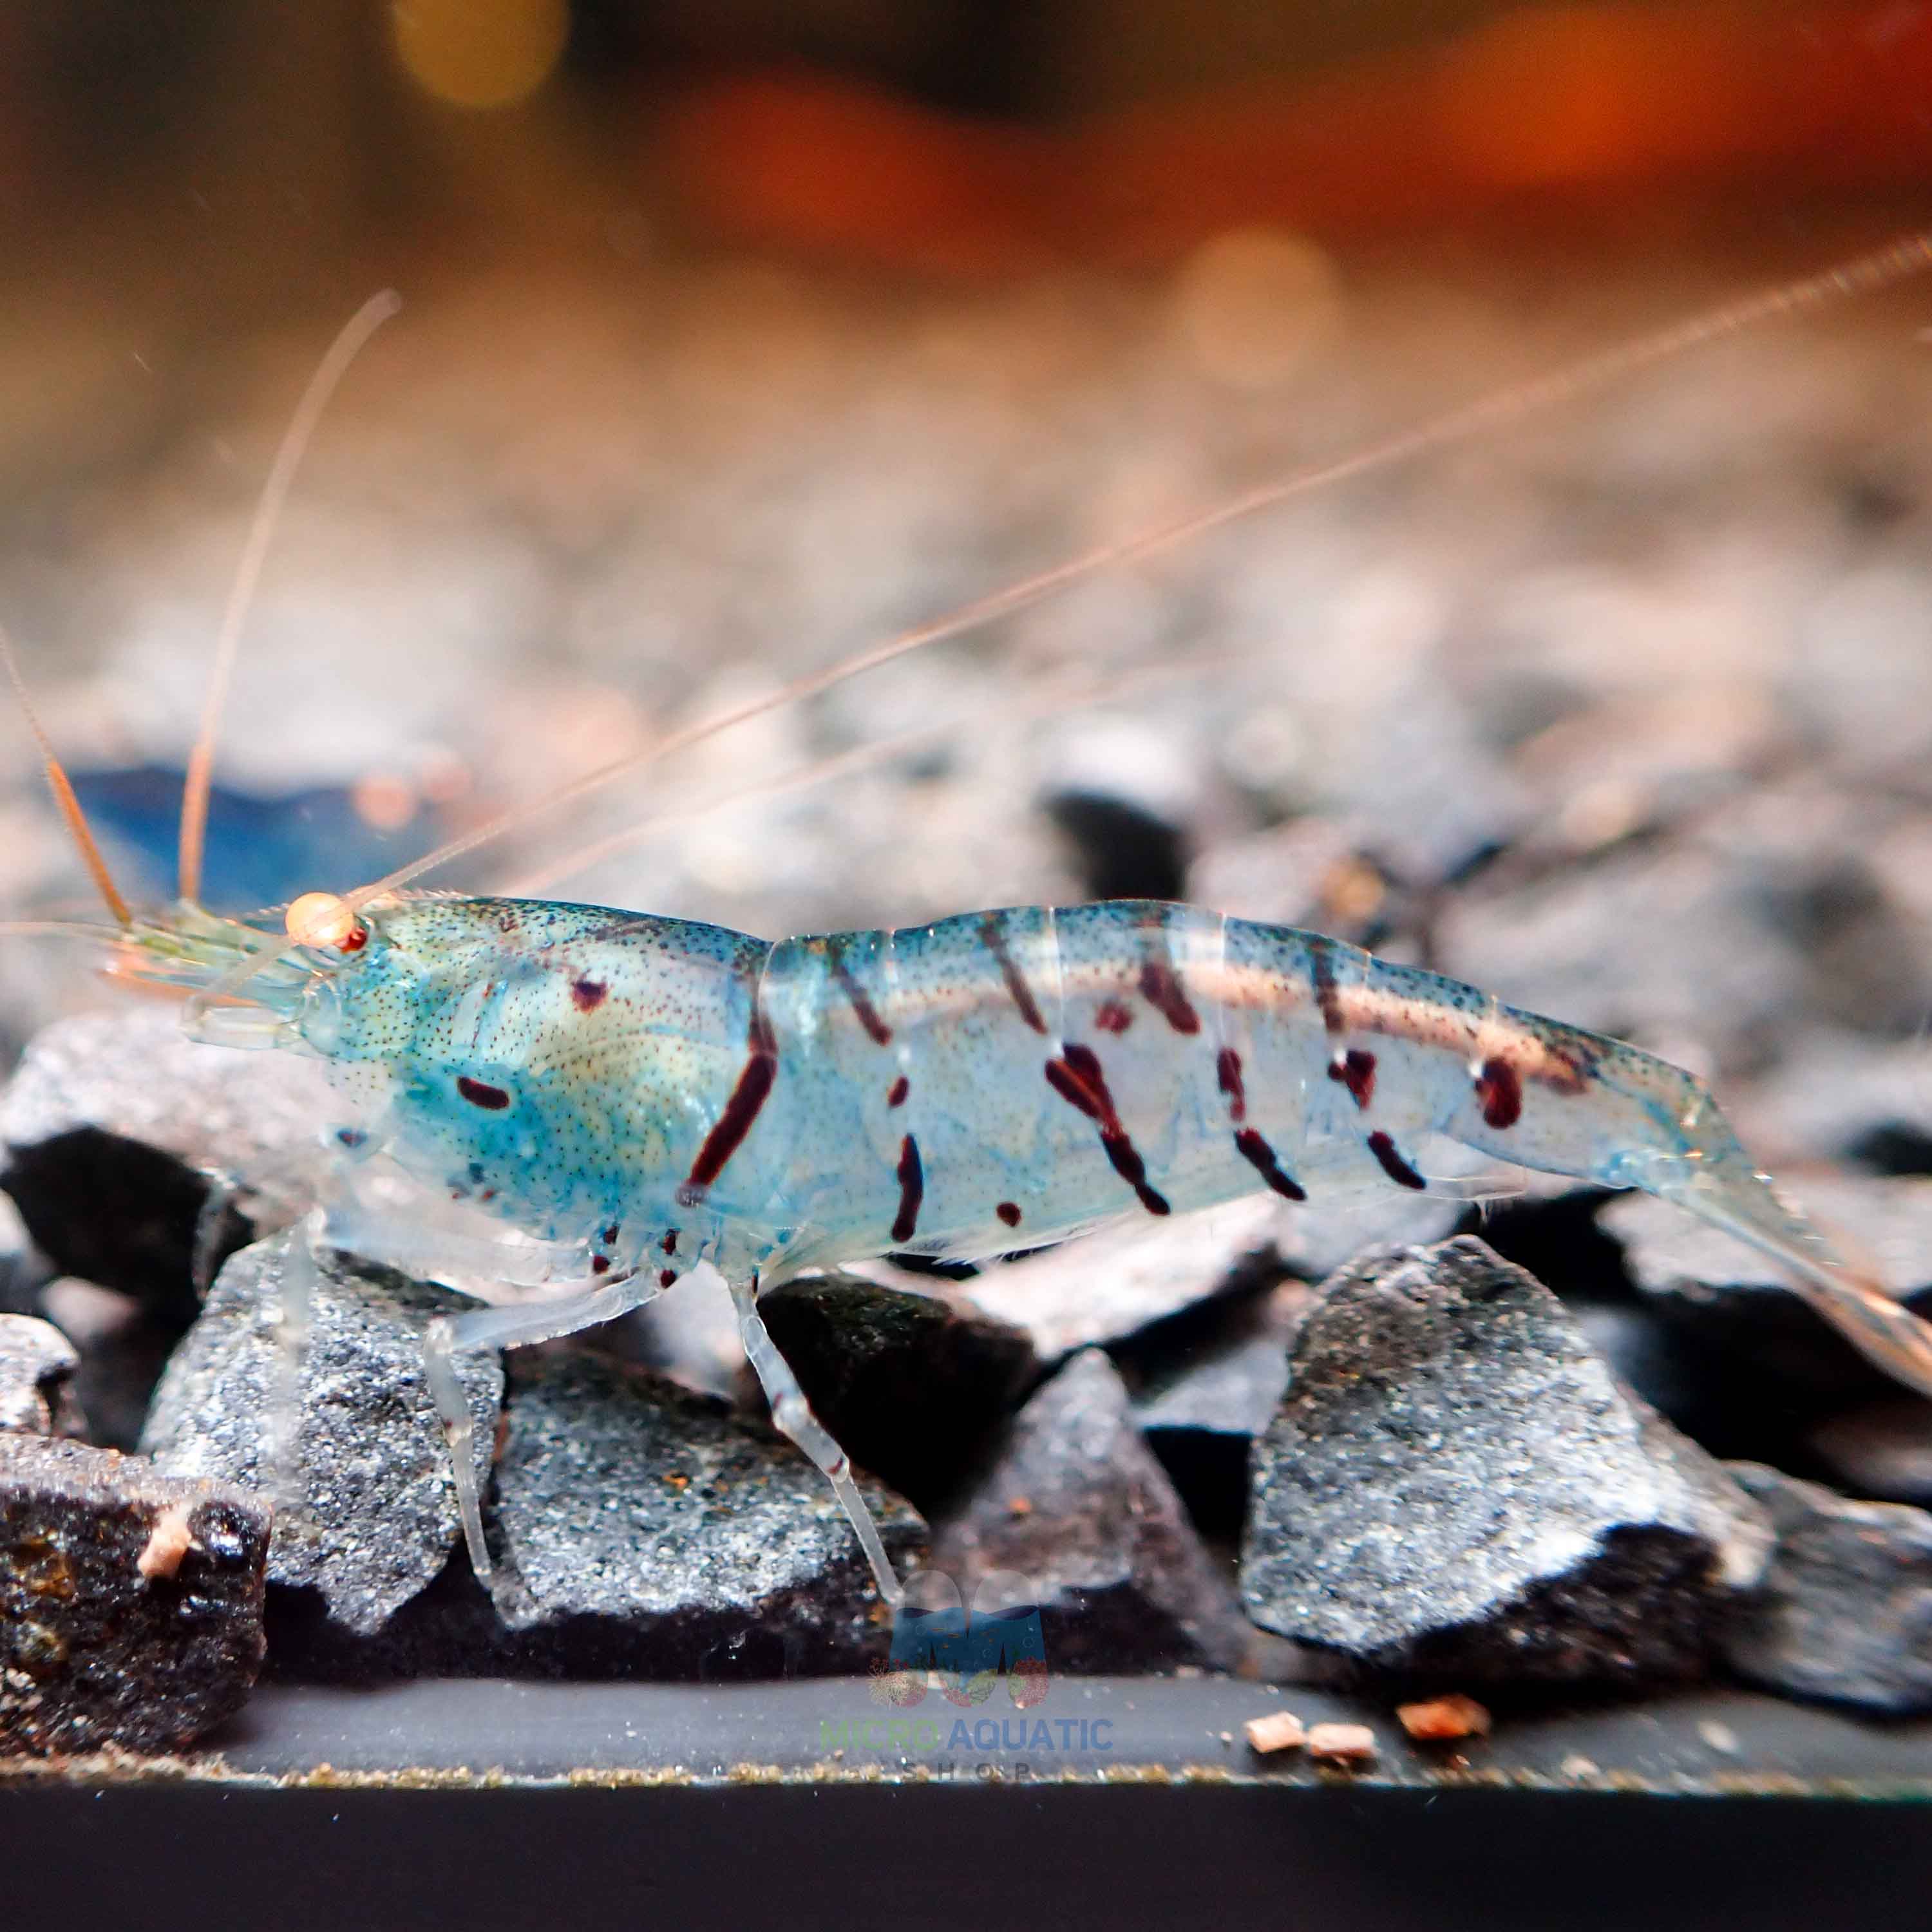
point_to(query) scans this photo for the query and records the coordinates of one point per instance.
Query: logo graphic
(965, 1655)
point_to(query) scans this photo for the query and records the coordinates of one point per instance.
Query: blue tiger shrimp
(637, 1095)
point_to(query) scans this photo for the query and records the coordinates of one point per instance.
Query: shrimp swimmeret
(641, 1094)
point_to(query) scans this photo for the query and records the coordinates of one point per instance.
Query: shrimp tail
(1724, 1190)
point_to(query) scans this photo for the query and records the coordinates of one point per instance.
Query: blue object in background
(261, 851)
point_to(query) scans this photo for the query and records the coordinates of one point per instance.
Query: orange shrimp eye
(324, 920)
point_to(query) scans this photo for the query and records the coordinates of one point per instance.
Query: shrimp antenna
(1898, 261)
(62, 788)
(329, 371)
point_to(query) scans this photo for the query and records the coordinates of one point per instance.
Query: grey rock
(1839, 1095)
(24, 1270)
(37, 1364)
(1773, 915)
(372, 1518)
(1226, 1377)
(1845, 1614)
(1728, 1302)
(649, 1531)
(139, 1158)
(1107, 1286)
(131, 1604)
(1433, 798)
(1318, 1238)
(911, 1384)
(690, 1334)
(1663, 946)
(1074, 1500)
(1455, 1486)
(1205, 1384)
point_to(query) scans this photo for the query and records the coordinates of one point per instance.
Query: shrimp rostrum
(636, 1095)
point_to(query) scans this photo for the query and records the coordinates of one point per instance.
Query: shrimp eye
(324, 920)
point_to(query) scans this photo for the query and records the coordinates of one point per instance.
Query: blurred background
(737, 336)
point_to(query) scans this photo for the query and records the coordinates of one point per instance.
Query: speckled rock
(1074, 1500)
(373, 1518)
(139, 1158)
(1845, 1614)
(912, 1385)
(131, 1604)
(37, 1364)
(647, 1531)
(1455, 1486)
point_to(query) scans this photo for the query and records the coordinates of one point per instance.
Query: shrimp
(635, 1094)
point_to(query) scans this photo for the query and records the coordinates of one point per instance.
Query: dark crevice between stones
(124, 1215)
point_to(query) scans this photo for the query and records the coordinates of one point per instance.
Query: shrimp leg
(792, 1414)
(511, 1327)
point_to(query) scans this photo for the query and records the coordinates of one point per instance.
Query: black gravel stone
(131, 1604)
(1124, 849)
(371, 1516)
(1845, 1614)
(1074, 1501)
(1456, 1489)
(912, 1385)
(37, 1365)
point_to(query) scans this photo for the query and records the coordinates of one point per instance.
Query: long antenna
(1883, 268)
(329, 371)
(59, 785)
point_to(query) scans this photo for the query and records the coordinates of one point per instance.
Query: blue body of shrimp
(651, 1092)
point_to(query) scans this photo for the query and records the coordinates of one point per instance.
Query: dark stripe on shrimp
(1228, 1074)
(1321, 979)
(480, 1093)
(1077, 1079)
(1161, 989)
(1256, 1152)
(1499, 1093)
(748, 1097)
(1021, 994)
(588, 995)
(912, 1190)
(1009, 1211)
(1397, 1169)
(896, 1093)
(1113, 1016)
(1356, 1070)
(861, 1002)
